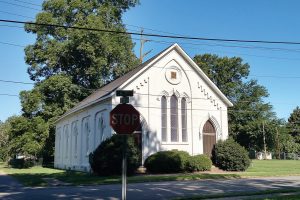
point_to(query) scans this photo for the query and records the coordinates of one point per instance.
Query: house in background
(180, 108)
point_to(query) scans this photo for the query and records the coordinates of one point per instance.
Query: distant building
(180, 108)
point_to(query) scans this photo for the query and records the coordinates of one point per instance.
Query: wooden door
(209, 138)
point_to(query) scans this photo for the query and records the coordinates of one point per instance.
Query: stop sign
(124, 119)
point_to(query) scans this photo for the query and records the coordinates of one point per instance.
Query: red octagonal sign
(124, 119)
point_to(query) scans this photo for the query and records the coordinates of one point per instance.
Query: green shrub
(107, 158)
(229, 155)
(167, 162)
(21, 163)
(198, 163)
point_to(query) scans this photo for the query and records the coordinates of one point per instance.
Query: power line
(16, 14)
(155, 107)
(158, 95)
(229, 46)
(33, 4)
(11, 44)
(11, 95)
(232, 52)
(274, 76)
(17, 82)
(11, 26)
(202, 44)
(215, 44)
(153, 35)
(237, 53)
(14, 4)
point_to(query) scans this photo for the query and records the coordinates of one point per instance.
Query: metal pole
(124, 168)
(264, 138)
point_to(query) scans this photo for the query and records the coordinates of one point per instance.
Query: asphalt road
(11, 190)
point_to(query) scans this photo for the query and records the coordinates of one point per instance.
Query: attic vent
(173, 75)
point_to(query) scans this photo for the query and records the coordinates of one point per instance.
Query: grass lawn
(272, 168)
(34, 176)
(251, 195)
(287, 197)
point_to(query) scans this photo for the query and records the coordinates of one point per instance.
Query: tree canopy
(249, 111)
(67, 65)
(90, 58)
(294, 124)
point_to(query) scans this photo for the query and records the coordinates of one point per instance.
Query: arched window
(174, 119)
(183, 120)
(87, 132)
(75, 133)
(101, 128)
(67, 141)
(163, 118)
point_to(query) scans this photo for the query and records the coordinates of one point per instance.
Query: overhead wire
(152, 35)
(11, 95)
(183, 37)
(202, 44)
(26, 2)
(10, 13)
(18, 5)
(197, 44)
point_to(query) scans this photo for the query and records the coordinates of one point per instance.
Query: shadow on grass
(81, 178)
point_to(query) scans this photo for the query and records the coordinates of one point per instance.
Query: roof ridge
(111, 86)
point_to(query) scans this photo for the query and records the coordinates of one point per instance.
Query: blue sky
(277, 67)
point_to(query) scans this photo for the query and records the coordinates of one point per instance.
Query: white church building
(180, 108)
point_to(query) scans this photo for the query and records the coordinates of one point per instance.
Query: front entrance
(209, 138)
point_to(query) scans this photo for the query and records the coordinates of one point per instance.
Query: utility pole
(264, 138)
(277, 144)
(142, 42)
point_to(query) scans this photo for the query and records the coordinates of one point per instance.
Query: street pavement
(11, 190)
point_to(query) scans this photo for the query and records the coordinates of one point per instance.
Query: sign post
(124, 168)
(124, 119)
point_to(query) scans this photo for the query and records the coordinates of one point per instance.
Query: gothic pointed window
(183, 120)
(87, 132)
(101, 128)
(75, 133)
(163, 118)
(174, 118)
(67, 141)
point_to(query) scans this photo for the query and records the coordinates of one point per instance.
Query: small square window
(173, 75)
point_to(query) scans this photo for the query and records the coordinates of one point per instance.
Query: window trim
(164, 119)
(174, 136)
(184, 134)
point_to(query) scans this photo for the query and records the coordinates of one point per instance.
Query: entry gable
(165, 59)
(122, 82)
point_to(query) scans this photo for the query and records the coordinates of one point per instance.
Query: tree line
(67, 65)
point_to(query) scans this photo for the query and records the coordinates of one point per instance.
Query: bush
(198, 163)
(107, 158)
(21, 163)
(229, 155)
(167, 162)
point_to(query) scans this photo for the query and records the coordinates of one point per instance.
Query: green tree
(294, 124)
(50, 99)
(249, 111)
(26, 136)
(226, 73)
(90, 58)
(4, 126)
(67, 65)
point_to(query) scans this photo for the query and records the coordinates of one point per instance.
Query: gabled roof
(108, 88)
(105, 91)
